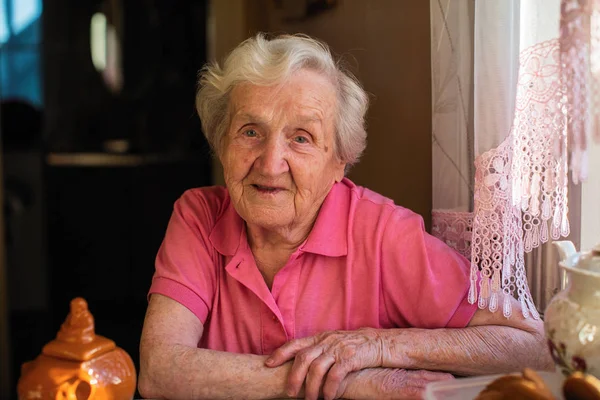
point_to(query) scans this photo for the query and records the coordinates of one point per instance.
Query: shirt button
(274, 318)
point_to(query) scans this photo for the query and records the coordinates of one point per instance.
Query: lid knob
(76, 339)
(79, 324)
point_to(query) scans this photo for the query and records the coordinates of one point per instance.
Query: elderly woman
(294, 282)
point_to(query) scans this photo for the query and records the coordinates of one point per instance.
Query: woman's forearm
(178, 372)
(468, 351)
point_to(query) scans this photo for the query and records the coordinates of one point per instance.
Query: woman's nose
(272, 160)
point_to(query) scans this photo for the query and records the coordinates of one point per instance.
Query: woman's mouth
(266, 189)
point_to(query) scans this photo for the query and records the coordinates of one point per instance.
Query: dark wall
(102, 222)
(163, 46)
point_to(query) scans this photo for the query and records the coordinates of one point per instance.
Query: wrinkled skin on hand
(324, 360)
(389, 383)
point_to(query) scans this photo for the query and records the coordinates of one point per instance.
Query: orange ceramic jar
(78, 364)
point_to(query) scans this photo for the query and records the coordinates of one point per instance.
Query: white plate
(469, 388)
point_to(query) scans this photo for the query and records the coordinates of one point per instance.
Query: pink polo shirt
(366, 263)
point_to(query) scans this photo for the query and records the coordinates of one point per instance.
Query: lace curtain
(514, 91)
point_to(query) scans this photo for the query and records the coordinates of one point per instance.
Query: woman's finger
(302, 362)
(336, 375)
(289, 350)
(316, 372)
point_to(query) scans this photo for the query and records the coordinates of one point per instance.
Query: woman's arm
(490, 344)
(172, 366)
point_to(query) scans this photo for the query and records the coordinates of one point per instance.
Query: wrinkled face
(278, 153)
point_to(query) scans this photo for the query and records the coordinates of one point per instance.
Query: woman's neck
(283, 239)
(272, 248)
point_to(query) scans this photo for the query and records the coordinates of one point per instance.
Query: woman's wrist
(398, 348)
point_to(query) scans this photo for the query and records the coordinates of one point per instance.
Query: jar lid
(76, 339)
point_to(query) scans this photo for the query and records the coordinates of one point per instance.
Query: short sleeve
(425, 283)
(185, 263)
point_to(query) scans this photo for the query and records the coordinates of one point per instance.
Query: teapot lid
(76, 339)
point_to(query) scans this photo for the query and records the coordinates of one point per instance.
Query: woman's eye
(300, 139)
(250, 133)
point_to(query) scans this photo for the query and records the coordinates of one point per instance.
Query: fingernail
(269, 361)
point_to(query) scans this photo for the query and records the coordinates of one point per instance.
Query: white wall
(590, 204)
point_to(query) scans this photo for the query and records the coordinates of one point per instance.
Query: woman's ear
(340, 171)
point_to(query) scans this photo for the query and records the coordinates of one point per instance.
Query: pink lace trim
(521, 186)
(580, 73)
(454, 229)
(520, 194)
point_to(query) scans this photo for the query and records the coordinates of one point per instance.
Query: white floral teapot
(572, 319)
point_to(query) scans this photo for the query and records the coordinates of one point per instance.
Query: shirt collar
(328, 237)
(226, 235)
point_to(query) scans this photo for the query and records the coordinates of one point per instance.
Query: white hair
(262, 61)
